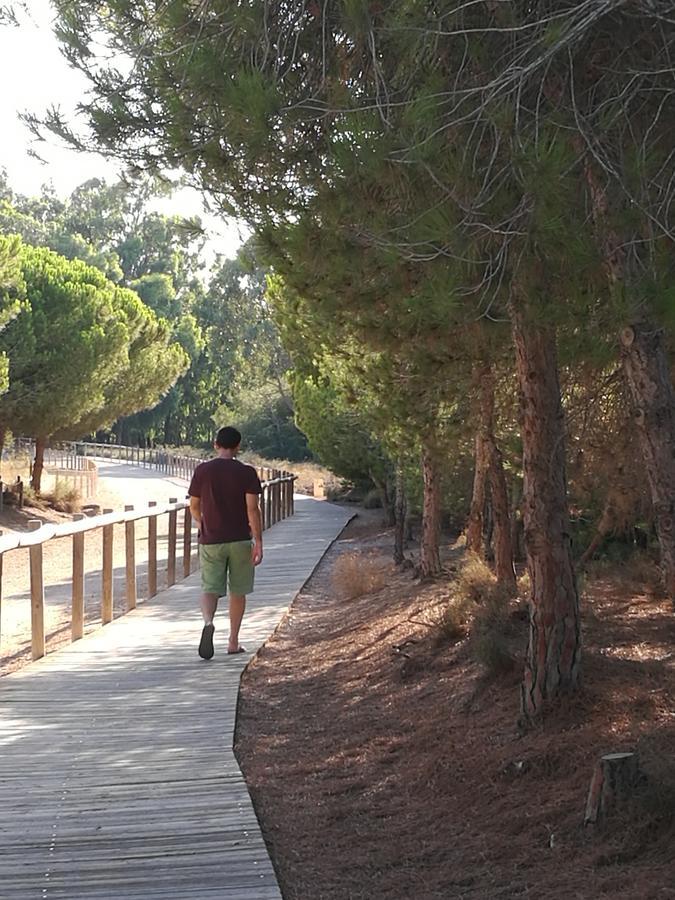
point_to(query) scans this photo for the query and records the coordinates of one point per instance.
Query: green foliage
(337, 433)
(157, 291)
(81, 350)
(12, 291)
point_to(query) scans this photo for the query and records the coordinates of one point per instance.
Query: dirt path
(385, 763)
(119, 485)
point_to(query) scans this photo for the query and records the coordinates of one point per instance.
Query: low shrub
(453, 621)
(491, 631)
(373, 499)
(640, 569)
(64, 497)
(483, 609)
(475, 580)
(355, 574)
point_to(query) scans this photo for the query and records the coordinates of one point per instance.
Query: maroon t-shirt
(222, 485)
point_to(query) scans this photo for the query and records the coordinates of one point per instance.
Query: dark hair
(228, 438)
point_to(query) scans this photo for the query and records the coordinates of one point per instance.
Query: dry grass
(356, 574)
(492, 633)
(32, 498)
(453, 620)
(64, 497)
(475, 580)
(307, 472)
(639, 570)
(480, 607)
(15, 466)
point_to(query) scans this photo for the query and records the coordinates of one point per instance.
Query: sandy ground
(386, 763)
(119, 485)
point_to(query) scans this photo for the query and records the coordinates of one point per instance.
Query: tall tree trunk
(553, 654)
(387, 505)
(502, 522)
(400, 511)
(38, 463)
(649, 381)
(489, 473)
(498, 494)
(430, 558)
(517, 524)
(647, 372)
(474, 528)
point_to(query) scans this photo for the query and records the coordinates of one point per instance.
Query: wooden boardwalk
(117, 776)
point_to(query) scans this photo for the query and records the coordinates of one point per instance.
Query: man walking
(224, 504)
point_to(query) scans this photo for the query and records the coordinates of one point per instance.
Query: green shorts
(224, 565)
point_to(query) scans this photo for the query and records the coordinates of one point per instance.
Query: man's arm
(255, 524)
(196, 510)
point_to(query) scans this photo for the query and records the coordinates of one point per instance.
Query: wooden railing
(175, 465)
(277, 503)
(79, 473)
(74, 455)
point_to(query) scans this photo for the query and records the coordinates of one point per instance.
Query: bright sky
(35, 76)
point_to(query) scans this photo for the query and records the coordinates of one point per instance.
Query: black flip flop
(206, 643)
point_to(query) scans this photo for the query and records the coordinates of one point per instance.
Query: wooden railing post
(187, 542)
(107, 574)
(152, 552)
(277, 496)
(77, 611)
(37, 595)
(130, 559)
(268, 502)
(171, 560)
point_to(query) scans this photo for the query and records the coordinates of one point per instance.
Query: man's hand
(255, 524)
(256, 553)
(196, 511)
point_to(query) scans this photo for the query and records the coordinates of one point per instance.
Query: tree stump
(614, 778)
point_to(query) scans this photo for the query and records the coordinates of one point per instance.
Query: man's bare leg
(237, 609)
(209, 605)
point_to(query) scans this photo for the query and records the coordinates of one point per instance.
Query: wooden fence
(79, 473)
(76, 455)
(277, 503)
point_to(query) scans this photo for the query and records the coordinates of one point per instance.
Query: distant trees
(12, 291)
(81, 351)
(219, 318)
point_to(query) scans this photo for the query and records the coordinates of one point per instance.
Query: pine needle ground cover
(385, 760)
